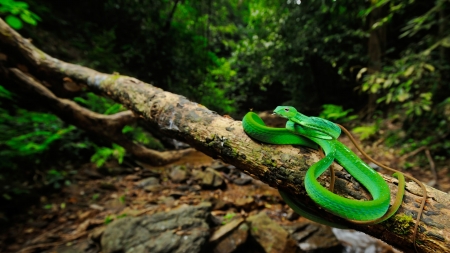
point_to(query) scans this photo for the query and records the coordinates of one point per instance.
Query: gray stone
(178, 174)
(212, 179)
(178, 231)
(271, 236)
(232, 240)
(147, 182)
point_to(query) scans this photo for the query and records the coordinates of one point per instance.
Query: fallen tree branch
(106, 126)
(221, 137)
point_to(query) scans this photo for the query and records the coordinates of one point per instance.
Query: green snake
(316, 132)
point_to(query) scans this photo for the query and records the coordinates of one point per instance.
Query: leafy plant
(102, 154)
(228, 217)
(95, 196)
(108, 219)
(399, 83)
(143, 137)
(28, 134)
(365, 132)
(56, 177)
(111, 218)
(17, 12)
(99, 104)
(336, 113)
(122, 199)
(414, 81)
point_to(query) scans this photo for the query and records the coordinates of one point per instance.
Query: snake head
(285, 111)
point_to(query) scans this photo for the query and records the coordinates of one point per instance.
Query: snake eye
(286, 109)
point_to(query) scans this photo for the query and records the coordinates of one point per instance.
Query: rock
(198, 175)
(96, 207)
(219, 233)
(355, 241)
(153, 188)
(195, 188)
(297, 226)
(317, 237)
(114, 204)
(243, 180)
(219, 204)
(218, 165)
(147, 181)
(232, 240)
(131, 178)
(96, 234)
(178, 174)
(271, 236)
(182, 187)
(181, 230)
(292, 215)
(212, 179)
(168, 201)
(246, 203)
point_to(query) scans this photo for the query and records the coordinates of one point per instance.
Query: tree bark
(376, 46)
(280, 166)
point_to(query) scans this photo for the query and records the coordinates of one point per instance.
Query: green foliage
(99, 104)
(108, 219)
(336, 113)
(111, 218)
(414, 80)
(4, 93)
(143, 137)
(122, 199)
(407, 82)
(95, 196)
(102, 154)
(365, 132)
(298, 54)
(227, 218)
(28, 134)
(17, 12)
(56, 177)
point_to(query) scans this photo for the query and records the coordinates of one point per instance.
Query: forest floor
(96, 197)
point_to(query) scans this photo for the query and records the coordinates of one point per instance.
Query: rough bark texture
(222, 137)
(376, 47)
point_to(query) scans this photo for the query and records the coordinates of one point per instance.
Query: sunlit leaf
(387, 83)
(429, 67)
(28, 19)
(375, 87)
(14, 22)
(365, 132)
(380, 80)
(22, 5)
(409, 71)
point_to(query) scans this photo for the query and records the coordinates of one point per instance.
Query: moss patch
(401, 224)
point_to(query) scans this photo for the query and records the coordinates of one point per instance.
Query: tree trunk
(376, 46)
(280, 166)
